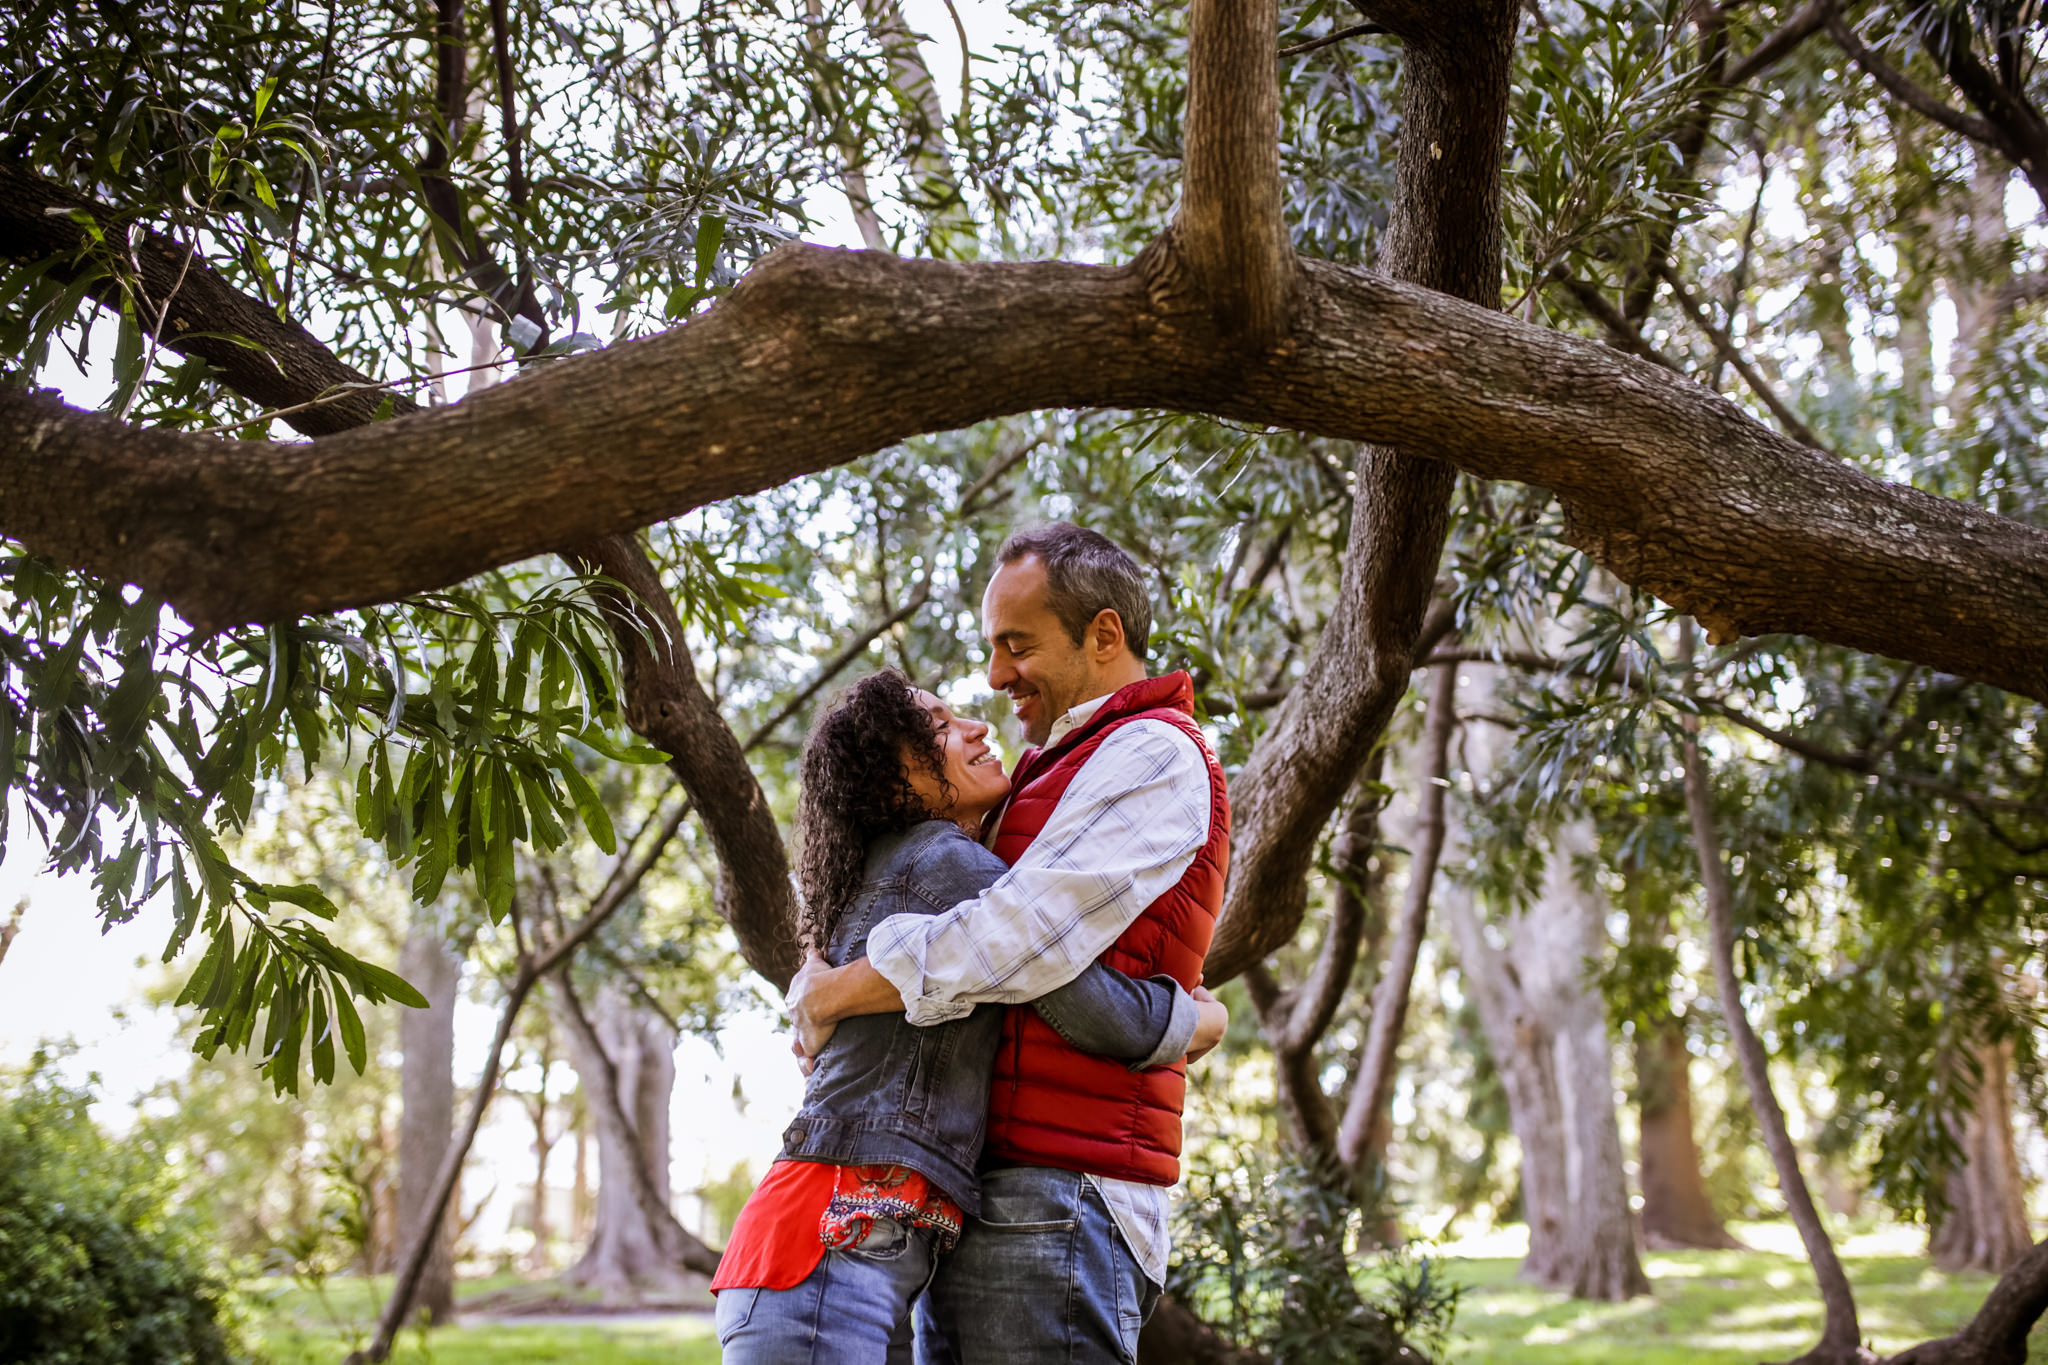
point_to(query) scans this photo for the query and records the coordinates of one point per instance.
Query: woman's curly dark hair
(856, 788)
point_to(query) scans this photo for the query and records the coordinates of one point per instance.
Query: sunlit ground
(305, 1328)
(1708, 1308)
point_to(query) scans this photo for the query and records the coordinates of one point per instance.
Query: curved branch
(1905, 91)
(666, 704)
(822, 356)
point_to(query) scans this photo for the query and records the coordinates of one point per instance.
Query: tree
(814, 358)
(427, 1120)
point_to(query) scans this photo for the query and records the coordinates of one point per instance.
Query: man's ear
(1105, 635)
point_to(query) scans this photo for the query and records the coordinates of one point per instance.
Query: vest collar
(1173, 691)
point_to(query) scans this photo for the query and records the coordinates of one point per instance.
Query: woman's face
(973, 770)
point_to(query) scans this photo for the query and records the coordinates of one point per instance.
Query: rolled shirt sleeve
(1124, 831)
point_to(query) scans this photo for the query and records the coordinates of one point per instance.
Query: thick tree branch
(1997, 1335)
(1230, 229)
(668, 706)
(1444, 233)
(822, 356)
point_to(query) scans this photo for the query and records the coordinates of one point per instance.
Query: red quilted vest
(1051, 1104)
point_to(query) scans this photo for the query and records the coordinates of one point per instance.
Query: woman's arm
(1142, 1023)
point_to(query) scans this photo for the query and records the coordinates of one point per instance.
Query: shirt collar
(1076, 717)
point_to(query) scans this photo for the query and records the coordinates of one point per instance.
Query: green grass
(1707, 1308)
(1711, 1307)
(302, 1327)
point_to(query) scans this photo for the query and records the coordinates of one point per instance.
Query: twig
(1728, 351)
(156, 333)
(966, 75)
(1625, 337)
(1328, 39)
(338, 392)
(12, 927)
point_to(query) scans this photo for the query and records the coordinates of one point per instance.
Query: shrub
(98, 1265)
(1278, 1260)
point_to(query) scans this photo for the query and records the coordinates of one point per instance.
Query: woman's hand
(1212, 1022)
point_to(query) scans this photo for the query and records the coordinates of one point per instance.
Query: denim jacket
(888, 1091)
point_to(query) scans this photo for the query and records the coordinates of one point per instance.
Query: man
(1117, 831)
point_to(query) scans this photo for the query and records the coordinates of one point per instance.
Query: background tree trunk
(1546, 1025)
(1985, 1226)
(1677, 1213)
(427, 1091)
(621, 1048)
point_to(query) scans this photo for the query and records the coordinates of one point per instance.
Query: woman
(842, 1235)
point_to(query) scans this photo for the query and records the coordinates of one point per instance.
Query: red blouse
(802, 1209)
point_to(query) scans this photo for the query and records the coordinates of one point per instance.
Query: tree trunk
(625, 1057)
(1985, 1225)
(427, 1092)
(1677, 1214)
(1546, 1025)
(1841, 1339)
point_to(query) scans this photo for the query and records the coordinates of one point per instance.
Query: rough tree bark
(1841, 1341)
(1998, 1334)
(624, 1055)
(427, 1094)
(1293, 1020)
(1985, 1224)
(822, 356)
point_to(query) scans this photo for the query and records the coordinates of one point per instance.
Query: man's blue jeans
(854, 1309)
(1042, 1277)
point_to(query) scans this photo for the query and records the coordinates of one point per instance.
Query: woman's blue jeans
(854, 1309)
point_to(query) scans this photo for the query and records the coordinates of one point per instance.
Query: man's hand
(813, 1030)
(1213, 1022)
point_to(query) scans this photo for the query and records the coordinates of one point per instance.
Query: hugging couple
(1002, 994)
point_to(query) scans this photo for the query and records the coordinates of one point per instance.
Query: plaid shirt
(1125, 830)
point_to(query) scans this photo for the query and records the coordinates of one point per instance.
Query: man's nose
(1000, 671)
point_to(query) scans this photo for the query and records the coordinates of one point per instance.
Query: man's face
(1031, 656)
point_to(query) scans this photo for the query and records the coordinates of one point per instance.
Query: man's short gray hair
(1085, 575)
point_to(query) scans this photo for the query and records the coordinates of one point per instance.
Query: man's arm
(1124, 831)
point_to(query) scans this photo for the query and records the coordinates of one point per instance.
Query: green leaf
(595, 817)
(710, 236)
(351, 1024)
(308, 898)
(381, 984)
